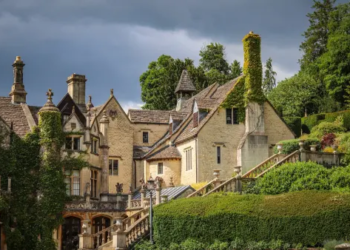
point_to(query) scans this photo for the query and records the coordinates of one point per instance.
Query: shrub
(292, 177)
(308, 217)
(217, 245)
(328, 150)
(289, 146)
(326, 128)
(328, 140)
(191, 244)
(294, 123)
(330, 245)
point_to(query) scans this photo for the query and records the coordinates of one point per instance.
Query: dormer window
(73, 143)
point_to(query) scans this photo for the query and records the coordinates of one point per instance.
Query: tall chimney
(18, 93)
(76, 88)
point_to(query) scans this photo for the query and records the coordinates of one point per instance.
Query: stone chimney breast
(76, 88)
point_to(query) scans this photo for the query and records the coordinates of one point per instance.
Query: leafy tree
(158, 83)
(213, 57)
(335, 63)
(316, 36)
(293, 95)
(269, 81)
(236, 69)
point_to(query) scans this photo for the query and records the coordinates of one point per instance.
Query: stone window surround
(188, 158)
(73, 181)
(73, 137)
(160, 166)
(94, 150)
(113, 159)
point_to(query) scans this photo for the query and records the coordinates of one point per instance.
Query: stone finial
(112, 92)
(171, 183)
(49, 106)
(251, 32)
(89, 105)
(18, 59)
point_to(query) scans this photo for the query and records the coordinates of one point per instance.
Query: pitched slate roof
(66, 106)
(185, 83)
(168, 152)
(154, 116)
(140, 151)
(172, 192)
(14, 114)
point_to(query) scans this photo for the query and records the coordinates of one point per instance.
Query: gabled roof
(167, 152)
(185, 83)
(66, 106)
(154, 116)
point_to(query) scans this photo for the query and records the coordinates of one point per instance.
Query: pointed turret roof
(185, 84)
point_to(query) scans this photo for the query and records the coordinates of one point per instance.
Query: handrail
(137, 230)
(220, 186)
(102, 237)
(248, 174)
(284, 160)
(196, 193)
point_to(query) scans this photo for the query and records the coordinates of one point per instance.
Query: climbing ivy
(252, 68)
(235, 99)
(35, 165)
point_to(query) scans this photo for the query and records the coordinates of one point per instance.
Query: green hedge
(312, 120)
(294, 123)
(289, 146)
(307, 217)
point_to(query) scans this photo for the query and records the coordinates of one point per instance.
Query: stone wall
(155, 132)
(217, 133)
(171, 169)
(275, 128)
(187, 176)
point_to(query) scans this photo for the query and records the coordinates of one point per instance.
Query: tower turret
(18, 93)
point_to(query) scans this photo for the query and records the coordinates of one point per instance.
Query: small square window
(228, 116)
(160, 168)
(145, 137)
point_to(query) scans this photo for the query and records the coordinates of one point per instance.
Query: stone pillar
(9, 184)
(104, 157)
(85, 239)
(129, 200)
(143, 196)
(302, 151)
(158, 191)
(18, 93)
(119, 236)
(238, 187)
(216, 174)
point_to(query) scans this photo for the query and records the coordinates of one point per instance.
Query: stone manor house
(181, 146)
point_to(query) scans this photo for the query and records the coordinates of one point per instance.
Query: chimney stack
(18, 93)
(76, 88)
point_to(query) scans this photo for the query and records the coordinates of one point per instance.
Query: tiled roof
(154, 116)
(168, 152)
(13, 113)
(185, 83)
(140, 151)
(172, 192)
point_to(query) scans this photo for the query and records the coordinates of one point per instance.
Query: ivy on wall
(35, 165)
(252, 68)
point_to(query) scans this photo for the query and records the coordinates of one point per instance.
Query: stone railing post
(85, 239)
(344, 246)
(164, 198)
(158, 191)
(129, 200)
(143, 196)
(302, 151)
(217, 181)
(336, 156)
(9, 185)
(119, 236)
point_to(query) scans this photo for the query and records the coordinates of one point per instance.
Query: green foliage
(235, 99)
(308, 217)
(303, 176)
(236, 69)
(343, 141)
(326, 128)
(294, 123)
(213, 58)
(289, 146)
(293, 95)
(331, 244)
(269, 81)
(252, 68)
(35, 206)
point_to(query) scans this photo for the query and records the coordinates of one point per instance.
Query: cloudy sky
(112, 41)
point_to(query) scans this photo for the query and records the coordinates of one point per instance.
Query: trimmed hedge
(312, 120)
(307, 217)
(289, 146)
(294, 123)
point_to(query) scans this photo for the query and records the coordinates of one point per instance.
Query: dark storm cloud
(107, 39)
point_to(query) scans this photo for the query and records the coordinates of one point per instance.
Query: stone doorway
(70, 233)
(98, 224)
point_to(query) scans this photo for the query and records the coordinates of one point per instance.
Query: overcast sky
(113, 41)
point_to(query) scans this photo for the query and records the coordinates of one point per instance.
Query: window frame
(143, 137)
(218, 155)
(112, 169)
(73, 140)
(93, 180)
(160, 166)
(72, 182)
(95, 143)
(188, 154)
(232, 116)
